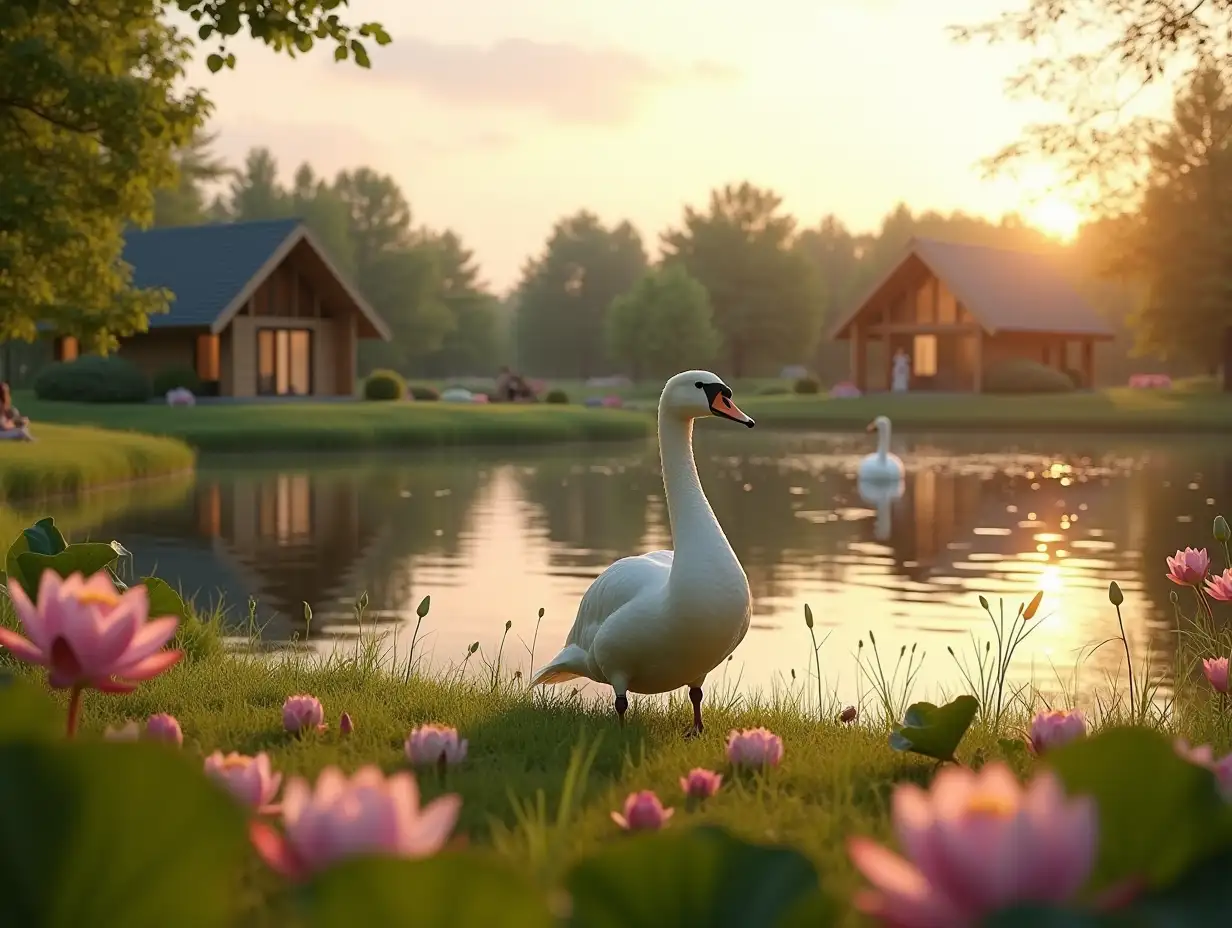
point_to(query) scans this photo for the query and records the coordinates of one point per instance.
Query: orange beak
(872, 427)
(723, 407)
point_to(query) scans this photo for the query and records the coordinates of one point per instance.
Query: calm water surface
(495, 536)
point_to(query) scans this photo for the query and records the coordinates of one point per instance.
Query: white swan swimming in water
(663, 620)
(881, 466)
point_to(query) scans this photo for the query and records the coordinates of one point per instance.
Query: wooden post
(858, 357)
(977, 362)
(1088, 363)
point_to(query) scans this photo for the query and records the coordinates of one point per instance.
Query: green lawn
(835, 781)
(68, 460)
(1112, 410)
(348, 426)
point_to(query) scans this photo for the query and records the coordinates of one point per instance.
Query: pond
(494, 536)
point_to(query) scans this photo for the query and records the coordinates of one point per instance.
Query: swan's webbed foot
(622, 706)
(695, 697)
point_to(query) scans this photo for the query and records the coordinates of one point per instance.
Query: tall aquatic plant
(893, 692)
(987, 678)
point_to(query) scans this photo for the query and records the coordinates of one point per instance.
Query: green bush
(92, 378)
(423, 392)
(384, 385)
(1076, 377)
(1023, 376)
(556, 395)
(177, 378)
(806, 386)
(774, 389)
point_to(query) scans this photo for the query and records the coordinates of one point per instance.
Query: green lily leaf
(935, 731)
(87, 558)
(697, 878)
(164, 600)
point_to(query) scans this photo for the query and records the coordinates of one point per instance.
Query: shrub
(1076, 377)
(177, 378)
(774, 389)
(423, 392)
(806, 385)
(556, 395)
(92, 378)
(1023, 376)
(384, 385)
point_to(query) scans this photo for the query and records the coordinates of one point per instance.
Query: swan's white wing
(624, 581)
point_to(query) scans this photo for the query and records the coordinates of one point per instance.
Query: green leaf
(43, 537)
(360, 53)
(340, 53)
(27, 712)
(1158, 813)
(214, 62)
(935, 731)
(1042, 916)
(88, 558)
(699, 878)
(115, 836)
(164, 600)
(443, 891)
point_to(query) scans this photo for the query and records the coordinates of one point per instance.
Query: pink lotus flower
(129, 731)
(301, 713)
(1220, 586)
(848, 715)
(1189, 567)
(163, 727)
(340, 818)
(643, 812)
(700, 783)
(251, 780)
(754, 747)
(976, 843)
(1204, 756)
(1055, 728)
(345, 725)
(1216, 670)
(89, 636)
(435, 744)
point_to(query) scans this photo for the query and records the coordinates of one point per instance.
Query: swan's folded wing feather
(624, 581)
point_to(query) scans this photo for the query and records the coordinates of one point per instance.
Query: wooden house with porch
(259, 309)
(958, 309)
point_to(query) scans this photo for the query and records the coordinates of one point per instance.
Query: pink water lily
(976, 843)
(754, 747)
(700, 783)
(251, 780)
(1204, 756)
(341, 818)
(302, 713)
(345, 725)
(164, 727)
(1220, 586)
(1055, 728)
(430, 745)
(643, 812)
(1216, 671)
(1189, 567)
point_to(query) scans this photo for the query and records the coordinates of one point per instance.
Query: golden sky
(497, 117)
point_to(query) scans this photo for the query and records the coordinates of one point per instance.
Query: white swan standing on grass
(663, 620)
(881, 466)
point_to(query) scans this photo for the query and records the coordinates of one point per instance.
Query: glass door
(284, 362)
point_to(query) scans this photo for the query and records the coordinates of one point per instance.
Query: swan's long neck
(698, 539)
(883, 439)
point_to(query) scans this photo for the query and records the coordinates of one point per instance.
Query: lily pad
(43, 537)
(935, 731)
(164, 601)
(87, 558)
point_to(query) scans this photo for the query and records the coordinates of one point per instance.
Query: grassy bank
(835, 780)
(66, 460)
(1114, 410)
(350, 426)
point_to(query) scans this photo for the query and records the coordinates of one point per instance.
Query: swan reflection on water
(881, 496)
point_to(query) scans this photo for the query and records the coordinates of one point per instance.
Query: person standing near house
(901, 372)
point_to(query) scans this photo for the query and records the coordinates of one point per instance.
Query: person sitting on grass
(13, 425)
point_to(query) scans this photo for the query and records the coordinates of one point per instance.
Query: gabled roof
(1004, 290)
(213, 269)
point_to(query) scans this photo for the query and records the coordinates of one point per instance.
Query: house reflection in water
(293, 538)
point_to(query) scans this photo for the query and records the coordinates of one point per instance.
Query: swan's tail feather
(569, 663)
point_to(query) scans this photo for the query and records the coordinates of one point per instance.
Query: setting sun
(1055, 217)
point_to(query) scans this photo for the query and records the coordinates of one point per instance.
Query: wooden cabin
(959, 309)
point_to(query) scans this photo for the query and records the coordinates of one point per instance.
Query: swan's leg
(695, 697)
(622, 704)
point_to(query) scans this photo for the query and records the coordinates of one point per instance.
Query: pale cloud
(567, 82)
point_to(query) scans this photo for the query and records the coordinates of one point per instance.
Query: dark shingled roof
(1006, 291)
(204, 266)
